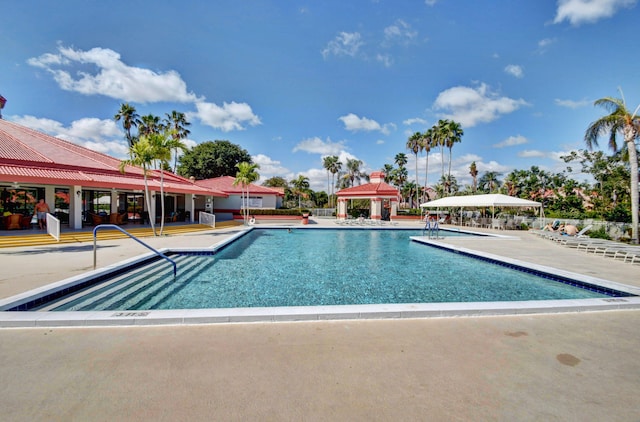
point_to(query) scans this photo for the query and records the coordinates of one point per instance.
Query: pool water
(275, 267)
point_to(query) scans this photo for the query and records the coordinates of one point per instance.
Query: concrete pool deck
(575, 366)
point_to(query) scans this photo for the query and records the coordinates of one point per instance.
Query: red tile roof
(29, 156)
(369, 190)
(225, 184)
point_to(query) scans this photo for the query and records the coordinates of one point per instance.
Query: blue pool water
(272, 267)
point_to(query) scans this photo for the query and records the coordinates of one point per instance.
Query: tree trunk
(633, 161)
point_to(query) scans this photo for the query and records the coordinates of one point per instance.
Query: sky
(293, 81)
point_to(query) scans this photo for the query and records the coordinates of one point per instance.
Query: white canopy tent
(480, 201)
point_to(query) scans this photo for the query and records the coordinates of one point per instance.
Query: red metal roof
(225, 184)
(29, 156)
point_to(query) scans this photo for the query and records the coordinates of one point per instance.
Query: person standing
(42, 209)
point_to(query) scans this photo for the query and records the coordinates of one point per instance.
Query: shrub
(600, 233)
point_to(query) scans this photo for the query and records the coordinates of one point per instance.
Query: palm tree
(620, 120)
(149, 124)
(178, 123)
(473, 171)
(387, 169)
(414, 145)
(455, 136)
(441, 135)
(129, 117)
(353, 171)
(245, 176)
(332, 164)
(300, 186)
(142, 154)
(426, 142)
(489, 181)
(163, 143)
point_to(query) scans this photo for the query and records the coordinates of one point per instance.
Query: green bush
(600, 233)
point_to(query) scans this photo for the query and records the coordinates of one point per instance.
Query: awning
(490, 200)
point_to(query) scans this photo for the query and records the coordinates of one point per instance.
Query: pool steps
(129, 291)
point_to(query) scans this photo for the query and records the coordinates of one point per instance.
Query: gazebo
(381, 194)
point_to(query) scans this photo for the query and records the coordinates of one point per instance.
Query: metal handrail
(100, 226)
(431, 228)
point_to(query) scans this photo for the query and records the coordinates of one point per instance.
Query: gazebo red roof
(376, 188)
(29, 156)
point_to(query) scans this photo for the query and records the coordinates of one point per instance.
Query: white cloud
(231, 116)
(269, 167)
(385, 59)
(344, 44)
(430, 2)
(470, 106)
(571, 103)
(354, 123)
(544, 44)
(112, 77)
(589, 11)
(399, 33)
(415, 120)
(98, 135)
(318, 146)
(511, 141)
(514, 70)
(532, 153)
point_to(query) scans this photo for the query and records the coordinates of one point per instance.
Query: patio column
(342, 209)
(189, 206)
(75, 207)
(376, 209)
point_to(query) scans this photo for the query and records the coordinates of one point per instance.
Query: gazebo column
(376, 209)
(394, 207)
(342, 209)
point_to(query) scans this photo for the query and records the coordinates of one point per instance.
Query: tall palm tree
(178, 123)
(620, 120)
(149, 124)
(387, 169)
(331, 164)
(245, 176)
(427, 142)
(129, 117)
(300, 186)
(455, 133)
(163, 143)
(473, 171)
(414, 145)
(441, 135)
(335, 169)
(353, 171)
(142, 154)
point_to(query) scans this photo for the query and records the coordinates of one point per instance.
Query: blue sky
(294, 81)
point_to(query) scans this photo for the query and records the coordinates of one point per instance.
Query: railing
(113, 226)
(53, 226)
(207, 219)
(432, 228)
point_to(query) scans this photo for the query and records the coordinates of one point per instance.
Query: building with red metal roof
(76, 181)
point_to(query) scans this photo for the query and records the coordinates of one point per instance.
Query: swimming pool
(282, 273)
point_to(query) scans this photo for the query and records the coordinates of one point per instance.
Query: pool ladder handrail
(113, 226)
(431, 228)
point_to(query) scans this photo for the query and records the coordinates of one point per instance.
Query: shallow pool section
(302, 274)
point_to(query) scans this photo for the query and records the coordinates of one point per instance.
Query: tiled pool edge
(324, 313)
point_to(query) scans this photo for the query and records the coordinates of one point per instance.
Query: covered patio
(491, 201)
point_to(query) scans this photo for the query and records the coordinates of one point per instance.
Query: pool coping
(310, 313)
